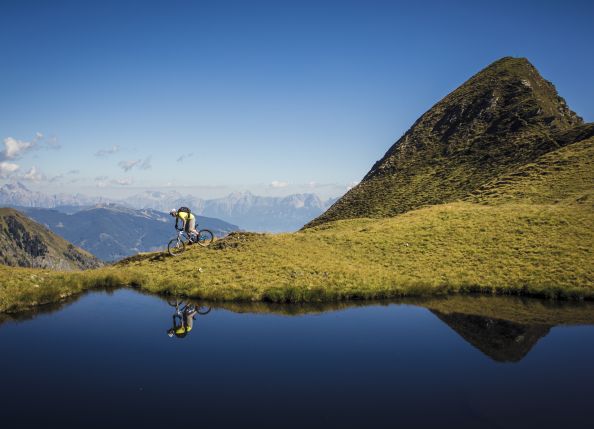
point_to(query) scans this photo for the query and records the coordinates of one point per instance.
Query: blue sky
(269, 96)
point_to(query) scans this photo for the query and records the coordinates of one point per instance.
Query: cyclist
(188, 221)
(183, 321)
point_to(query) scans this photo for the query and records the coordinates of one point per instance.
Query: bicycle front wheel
(175, 247)
(205, 237)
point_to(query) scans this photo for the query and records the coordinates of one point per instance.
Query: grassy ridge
(542, 250)
(503, 117)
(565, 176)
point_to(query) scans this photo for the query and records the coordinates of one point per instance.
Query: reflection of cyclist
(183, 320)
(188, 220)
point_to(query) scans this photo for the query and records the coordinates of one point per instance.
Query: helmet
(173, 212)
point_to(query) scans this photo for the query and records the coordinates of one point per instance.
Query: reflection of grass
(520, 310)
(21, 288)
(531, 233)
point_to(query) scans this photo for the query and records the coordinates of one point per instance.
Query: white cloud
(33, 175)
(146, 164)
(279, 184)
(101, 181)
(122, 182)
(107, 152)
(129, 164)
(184, 156)
(73, 172)
(7, 168)
(13, 148)
(351, 185)
(52, 143)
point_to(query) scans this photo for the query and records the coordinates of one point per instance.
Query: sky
(275, 97)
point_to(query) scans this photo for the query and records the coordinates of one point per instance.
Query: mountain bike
(178, 244)
(182, 306)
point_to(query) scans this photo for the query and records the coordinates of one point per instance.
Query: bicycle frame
(181, 234)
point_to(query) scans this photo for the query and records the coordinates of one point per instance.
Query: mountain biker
(183, 322)
(188, 220)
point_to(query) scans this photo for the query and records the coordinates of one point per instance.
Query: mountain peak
(505, 115)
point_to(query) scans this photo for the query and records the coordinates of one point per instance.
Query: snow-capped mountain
(249, 211)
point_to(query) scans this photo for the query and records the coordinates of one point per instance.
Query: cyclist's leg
(191, 225)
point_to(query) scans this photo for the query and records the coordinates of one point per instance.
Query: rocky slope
(505, 116)
(25, 243)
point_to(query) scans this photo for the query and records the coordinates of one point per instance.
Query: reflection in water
(184, 316)
(503, 328)
(501, 340)
(363, 364)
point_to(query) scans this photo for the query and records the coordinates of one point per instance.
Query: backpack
(184, 209)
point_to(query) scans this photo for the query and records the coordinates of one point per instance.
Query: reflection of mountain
(501, 340)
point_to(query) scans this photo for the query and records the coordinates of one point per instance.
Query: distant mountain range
(18, 195)
(112, 232)
(250, 212)
(25, 243)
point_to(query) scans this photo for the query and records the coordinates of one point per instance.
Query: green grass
(541, 250)
(564, 176)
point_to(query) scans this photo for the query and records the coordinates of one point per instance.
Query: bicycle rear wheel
(203, 309)
(176, 246)
(205, 237)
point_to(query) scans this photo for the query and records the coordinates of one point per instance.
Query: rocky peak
(509, 97)
(503, 117)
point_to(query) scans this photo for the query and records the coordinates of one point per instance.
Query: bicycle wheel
(175, 247)
(203, 309)
(205, 237)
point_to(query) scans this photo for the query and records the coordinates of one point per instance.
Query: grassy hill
(502, 118)
(25, 243)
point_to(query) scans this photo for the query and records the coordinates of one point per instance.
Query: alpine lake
(107, 359)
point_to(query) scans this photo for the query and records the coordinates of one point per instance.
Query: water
(106, 359)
